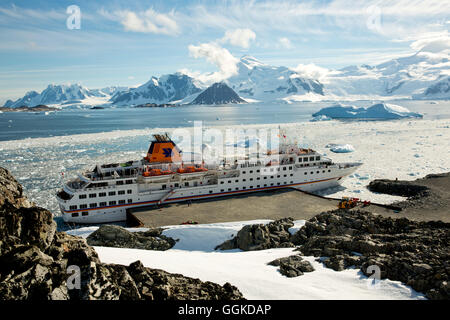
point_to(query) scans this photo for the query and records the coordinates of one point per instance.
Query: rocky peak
(218, 93)
(11, 191)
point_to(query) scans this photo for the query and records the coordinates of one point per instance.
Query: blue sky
(126, 42)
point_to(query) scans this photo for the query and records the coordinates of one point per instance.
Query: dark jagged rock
(39, 263)
(118, 237)
(428, 195)
(155, 105)
(38, 108)
(292, 266)
(11, 191)
(415, 253)
(261, 236)
(218, 93)
(399, 188)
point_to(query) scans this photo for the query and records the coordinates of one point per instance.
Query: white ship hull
(316, 178)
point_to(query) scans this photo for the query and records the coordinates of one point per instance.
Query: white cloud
(239, 37)
(285, 43)
(312, 71)
(393, 19)
(221, 57)
(148, 21)
(432, 44)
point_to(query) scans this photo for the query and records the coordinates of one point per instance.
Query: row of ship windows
(271, 177)
(305, 159)
(105, 184)
(101, 204)
(103, 194)
(84, 213)
(251, 187)
(257, 178)
(312, 172)
(266, 170)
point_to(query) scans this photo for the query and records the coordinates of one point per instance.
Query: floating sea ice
(362, 177)
(382, 111)
(320, 118)
(342, 148)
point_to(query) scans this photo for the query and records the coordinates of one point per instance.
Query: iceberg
(378, 111)
(320, 118)
(341, 148)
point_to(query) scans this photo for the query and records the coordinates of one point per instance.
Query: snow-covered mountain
(423, 75)
(438, 90)
(166, 89)
(259, 81)
(218, 93)
(416, 76)
(65, 95)
(108, 91)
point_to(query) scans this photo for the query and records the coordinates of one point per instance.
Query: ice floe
(378, 111)
(341, 148)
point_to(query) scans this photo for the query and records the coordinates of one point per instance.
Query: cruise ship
(105, 193)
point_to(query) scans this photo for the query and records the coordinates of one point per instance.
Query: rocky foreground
(415, 253)
(39, 263)
(118, 237)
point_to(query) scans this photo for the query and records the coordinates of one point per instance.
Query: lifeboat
(202, 168)
(155, 172)
(181, 169)
(190, 169)
(146, 173)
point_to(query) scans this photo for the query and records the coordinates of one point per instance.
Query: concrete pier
(271, 205)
